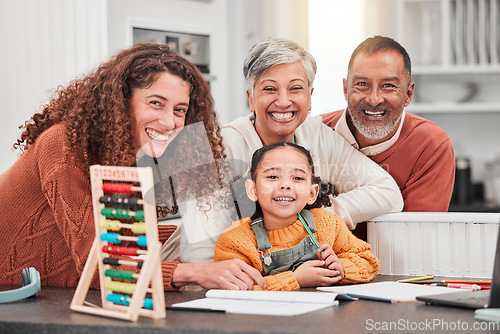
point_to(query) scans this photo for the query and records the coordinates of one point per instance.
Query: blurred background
(454, 46)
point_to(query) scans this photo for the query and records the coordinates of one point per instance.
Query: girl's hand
(313, 273)
(332, 262)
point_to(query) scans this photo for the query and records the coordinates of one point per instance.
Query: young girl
(278, 239)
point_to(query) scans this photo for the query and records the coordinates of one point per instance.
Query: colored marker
(466, 282)
(473, 287)
(461, 285)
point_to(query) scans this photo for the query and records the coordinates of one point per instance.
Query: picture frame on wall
(172, 42)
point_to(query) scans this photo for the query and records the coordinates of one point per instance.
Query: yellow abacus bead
(113, 225)
(139, 228)
(120, 287)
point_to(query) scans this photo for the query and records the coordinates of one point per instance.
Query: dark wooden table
(49, 313)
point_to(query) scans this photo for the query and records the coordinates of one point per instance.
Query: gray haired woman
(279, 77)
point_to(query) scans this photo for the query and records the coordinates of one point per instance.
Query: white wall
(44, 43)
(336, 28)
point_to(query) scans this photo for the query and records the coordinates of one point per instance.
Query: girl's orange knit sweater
(359, 263)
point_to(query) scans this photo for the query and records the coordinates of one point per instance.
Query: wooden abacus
(125, 194)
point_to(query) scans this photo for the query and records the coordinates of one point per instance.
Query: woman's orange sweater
(47, 217)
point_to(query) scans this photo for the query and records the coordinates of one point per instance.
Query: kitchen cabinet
(455, 51)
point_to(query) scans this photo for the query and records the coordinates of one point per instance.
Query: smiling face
(377, 89)
(283, 186)
(281, 100)
(160, 112)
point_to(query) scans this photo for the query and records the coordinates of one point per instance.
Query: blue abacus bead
(110, 237)
(142, 241)
(118, 299)
(148, 303)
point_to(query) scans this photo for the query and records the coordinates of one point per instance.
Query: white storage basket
(442, 244)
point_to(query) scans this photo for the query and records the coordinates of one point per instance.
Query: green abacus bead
(120, 274)
(139, 215)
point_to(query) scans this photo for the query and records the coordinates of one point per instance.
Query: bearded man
(416, 152)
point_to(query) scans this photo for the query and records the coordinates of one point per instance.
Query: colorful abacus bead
(120, 188)
(118, 262)
(122, 213)
(120, 287)
(120, 250)
(121, 274)
(121, 201)
(116, 225)
(116, 238)
(125, 300)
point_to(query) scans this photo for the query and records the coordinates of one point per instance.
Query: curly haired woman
(138, 100)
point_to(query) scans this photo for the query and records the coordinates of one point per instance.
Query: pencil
(415, 279)
(316, 243)
(427, 282)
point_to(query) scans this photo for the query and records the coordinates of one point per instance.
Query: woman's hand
(332, 262)
(230, 275)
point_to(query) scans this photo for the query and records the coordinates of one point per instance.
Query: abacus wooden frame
(151, 269)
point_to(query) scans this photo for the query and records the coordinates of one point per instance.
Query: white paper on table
(389, 291)
(276, 303)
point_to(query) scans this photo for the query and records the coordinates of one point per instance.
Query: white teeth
(374, 113)
(283, 199)
(156, 135)
(282, 116)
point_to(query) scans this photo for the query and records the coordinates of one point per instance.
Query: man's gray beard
(375, 133)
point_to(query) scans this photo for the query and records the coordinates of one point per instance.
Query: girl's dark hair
(325, 188)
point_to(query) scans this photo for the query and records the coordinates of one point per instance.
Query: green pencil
(308, 230)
